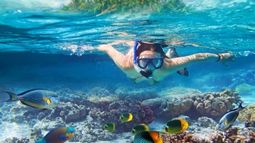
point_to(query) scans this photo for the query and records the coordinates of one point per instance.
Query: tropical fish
(140, 128)
(229, 118)
(126, 117)
(148, 137)
(58, 135)
(176, 126)
(36, 98)
(110, 127)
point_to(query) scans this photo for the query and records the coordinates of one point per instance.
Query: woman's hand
(225, 56)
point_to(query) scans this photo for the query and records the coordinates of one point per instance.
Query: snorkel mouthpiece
(147, 73)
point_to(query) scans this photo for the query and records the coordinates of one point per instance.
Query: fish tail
(241, 106)
(12, 96)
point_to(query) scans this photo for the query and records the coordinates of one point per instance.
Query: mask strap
(135, 49)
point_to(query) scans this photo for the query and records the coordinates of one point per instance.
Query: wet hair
(156, 47)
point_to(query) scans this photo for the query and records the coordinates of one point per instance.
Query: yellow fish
(140, 128)
(176, 126)
(126, 117)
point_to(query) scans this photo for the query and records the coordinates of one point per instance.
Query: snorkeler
(149, 61)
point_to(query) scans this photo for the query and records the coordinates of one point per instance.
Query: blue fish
(229, 118)
(58, 135)
(36, 98)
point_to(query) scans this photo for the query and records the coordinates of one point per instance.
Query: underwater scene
(127, 71)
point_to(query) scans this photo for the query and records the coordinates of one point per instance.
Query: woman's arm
(181, 62)
(121, 60)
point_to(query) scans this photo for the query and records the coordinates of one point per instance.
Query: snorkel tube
(135, 49)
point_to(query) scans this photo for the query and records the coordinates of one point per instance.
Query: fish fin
(241, 106)
(30, 91)
(183, 72)
(13, 96)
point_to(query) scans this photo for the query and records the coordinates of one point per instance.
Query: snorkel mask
(146, 65)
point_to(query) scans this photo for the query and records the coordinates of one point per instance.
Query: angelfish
(36, 98)
(229, 118)
(58, 135)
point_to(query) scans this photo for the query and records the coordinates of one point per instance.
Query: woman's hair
(156, 47)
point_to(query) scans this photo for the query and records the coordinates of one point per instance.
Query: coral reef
(247, 115)
(16, 140)
(206, 122)
(87, 115)
(215, 104)
(88, 112)
(112, 112)
(204, 134)
(207, 104)
(234, 135)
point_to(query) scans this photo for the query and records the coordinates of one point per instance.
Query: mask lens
(143, 63)
(157, 62)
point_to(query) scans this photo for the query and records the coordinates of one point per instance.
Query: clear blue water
(38, 41)
(41, 46)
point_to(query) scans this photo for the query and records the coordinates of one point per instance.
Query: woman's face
(149, 54)
(148, 61)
